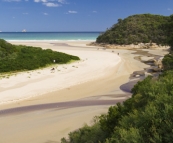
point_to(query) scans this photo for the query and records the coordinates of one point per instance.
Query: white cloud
(36, 0)
(50, 1)
(25, 13)
(50, 4)
(12, 0)
(44, 1)
(72, 12)
(45, 13)
(40, 1)
(169, 9)
(62, 1)
(94, 11)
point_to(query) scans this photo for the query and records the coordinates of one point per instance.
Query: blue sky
(73, 15)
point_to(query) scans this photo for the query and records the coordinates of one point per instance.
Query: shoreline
(50, 41)
(131, 46)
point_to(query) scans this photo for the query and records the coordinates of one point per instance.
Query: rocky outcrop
(158, 66)
(132, 46)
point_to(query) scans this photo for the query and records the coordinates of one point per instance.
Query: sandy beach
(41, 106)
(38, 82)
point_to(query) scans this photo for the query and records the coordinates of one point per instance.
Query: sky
(73, 15)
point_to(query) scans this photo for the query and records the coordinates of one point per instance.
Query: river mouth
(137, 76)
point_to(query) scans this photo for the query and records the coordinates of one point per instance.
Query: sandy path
(50, 124)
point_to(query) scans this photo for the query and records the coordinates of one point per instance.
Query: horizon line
(47, 31)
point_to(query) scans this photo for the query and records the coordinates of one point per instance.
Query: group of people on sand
(52, 70)
(104, 49)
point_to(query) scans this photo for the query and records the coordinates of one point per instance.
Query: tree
(170, 31)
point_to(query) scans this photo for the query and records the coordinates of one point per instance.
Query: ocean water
(49, 35)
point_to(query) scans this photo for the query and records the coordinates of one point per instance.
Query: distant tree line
(142, 28)
(169, 32)
(19, 57)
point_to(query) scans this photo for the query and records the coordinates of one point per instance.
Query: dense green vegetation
(169, 28)
(146, 117)
(17, 58)
(87, 134)
(143, 28)
(168, 62)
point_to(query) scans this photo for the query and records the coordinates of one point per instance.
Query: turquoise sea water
(49, 35)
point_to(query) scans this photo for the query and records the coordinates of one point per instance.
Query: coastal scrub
(20, 57)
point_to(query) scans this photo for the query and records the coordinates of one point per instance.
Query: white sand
(144, 58)
(93, 64)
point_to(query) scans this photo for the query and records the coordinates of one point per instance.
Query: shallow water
(49, 35)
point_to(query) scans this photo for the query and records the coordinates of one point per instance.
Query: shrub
(17, 58)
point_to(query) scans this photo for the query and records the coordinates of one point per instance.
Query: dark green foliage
(168, 62)
(146, 117)
(7, 49)
(110, 120)
(143, 28)
(17, 58)
(169, 26)
(86, 134)
(151, 118)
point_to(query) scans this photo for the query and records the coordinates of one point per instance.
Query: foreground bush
(150, 118)
(146, 117)
(17, 58)
(168, 62)
(89, 134)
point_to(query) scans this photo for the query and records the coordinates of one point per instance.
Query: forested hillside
(18, 58)
(143, 28)
(169, 27)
